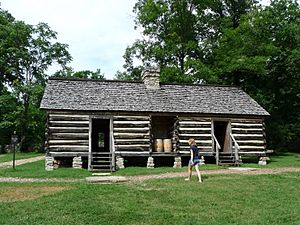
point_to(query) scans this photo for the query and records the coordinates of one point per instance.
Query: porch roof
(91, 95)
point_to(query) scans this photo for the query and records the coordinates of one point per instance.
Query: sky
(97, 31)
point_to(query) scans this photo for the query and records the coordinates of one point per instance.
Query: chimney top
(150, 77)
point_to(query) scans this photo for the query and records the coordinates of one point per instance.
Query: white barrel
(158, 145)
(167, 145)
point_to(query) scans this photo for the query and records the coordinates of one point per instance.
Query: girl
(194, 161)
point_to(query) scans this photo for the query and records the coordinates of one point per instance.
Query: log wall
(197, 128)
(68, 134)
(249, 134)
(131, 133)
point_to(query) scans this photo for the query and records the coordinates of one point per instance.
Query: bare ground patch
(14, 194)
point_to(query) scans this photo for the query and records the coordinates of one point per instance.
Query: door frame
(111, 141)
(228, 130)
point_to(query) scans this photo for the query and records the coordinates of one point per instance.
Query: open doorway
(100, 135)
(162, 130)
(221, 131)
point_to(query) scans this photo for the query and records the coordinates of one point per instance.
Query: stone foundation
(150, 162)
(77, 162)
(49, 163)
(120, 162)
(202, 161)
(177, 162)
(263, 160)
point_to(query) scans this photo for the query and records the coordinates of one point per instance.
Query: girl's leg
(189, 172)
(198, 172)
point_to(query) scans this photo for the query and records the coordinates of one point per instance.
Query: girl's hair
(192, 142)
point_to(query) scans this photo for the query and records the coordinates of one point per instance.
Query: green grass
(19, 155)
(37, 170)
(277, 160)
(221, 199)
(131, 171)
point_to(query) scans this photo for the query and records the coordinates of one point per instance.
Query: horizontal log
(194, 135)
(199, 141)
(187, 148)
(132, 135)
(69, 129)
(249, 136)
(69, 136)
(246, 121)
(195, 129)
(247, 130)
(132, 140)
(241, 142)
(70, 142)
(196, 132)
(246, 125)
(130, 118)
(68, 154)
(70, 148)
(194, 123)
(68, 115)
(252, 147)
(201, 119)
(134, 129)
(132, 147)
(131, 122)
(68, 118)
(69, 123)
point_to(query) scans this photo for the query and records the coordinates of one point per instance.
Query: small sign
(14, 138)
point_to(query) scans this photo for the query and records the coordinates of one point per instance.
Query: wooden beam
(136, 129)
(195, 129)
(86, 142)
(193, 123)
(194, 135)
(246, 125)
(69, 122)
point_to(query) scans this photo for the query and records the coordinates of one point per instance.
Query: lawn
(276, 161)
(37, 169)
(19, 155)
(221, 199)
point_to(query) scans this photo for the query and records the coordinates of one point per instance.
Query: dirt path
(21, 161)
(235, 170)
(116, 179)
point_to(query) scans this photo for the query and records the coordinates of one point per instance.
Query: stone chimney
(150, 77)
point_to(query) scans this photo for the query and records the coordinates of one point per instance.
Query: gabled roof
(91, 95)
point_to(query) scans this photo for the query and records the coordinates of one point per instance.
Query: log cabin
(103, 122)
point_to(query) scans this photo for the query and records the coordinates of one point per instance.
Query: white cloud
(97, 31)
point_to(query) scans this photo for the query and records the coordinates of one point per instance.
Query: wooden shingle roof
(91, 95)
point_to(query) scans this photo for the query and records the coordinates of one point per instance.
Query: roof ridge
(137, 82)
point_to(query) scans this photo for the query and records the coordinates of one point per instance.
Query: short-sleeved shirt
(195, 150)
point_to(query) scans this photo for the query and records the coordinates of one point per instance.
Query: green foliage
(179, 36)
(86, 74)
(227, 42)
(26, 52)
(262, 56)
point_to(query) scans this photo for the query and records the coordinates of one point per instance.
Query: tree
(86, 74)
(180, 35)
(26, 52)
(262, 55)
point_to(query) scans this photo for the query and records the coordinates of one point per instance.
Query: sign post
(14, 141)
